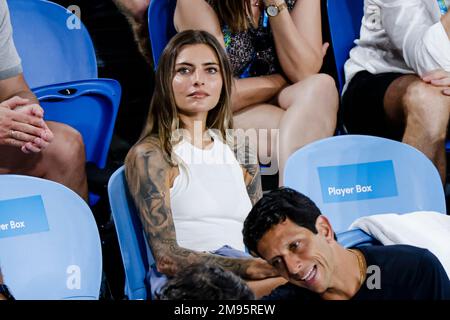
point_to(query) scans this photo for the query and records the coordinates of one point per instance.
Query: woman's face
(197, 82)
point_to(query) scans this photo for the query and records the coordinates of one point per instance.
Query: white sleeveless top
(209, 199)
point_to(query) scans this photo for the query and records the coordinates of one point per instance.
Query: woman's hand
(261, 269)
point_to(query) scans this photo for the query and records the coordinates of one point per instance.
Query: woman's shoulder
(150, 149)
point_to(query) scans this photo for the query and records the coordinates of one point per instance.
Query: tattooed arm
(149, 178)
(252, 179)
(248, 159)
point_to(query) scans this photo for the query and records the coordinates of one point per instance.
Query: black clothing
(405, 273)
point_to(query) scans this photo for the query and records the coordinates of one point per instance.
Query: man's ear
(324, 227)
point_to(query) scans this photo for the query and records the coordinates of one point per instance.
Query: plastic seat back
(49, 242)
(89, 106)
(50, 50)
(344, 17)
(352, 176)
(135, 255)
(356, 238)
(160, 25)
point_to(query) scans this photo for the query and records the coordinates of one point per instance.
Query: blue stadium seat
(344, 18)
(49, 242)
(136, 255)
(352, 176)
(160, 26)
(51, 52)
(90, 106)
(356, 238)
(60, 66)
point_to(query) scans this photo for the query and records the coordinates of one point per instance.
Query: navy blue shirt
(405, 272)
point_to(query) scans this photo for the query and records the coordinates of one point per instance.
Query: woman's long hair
(163, 117)
(234, 13)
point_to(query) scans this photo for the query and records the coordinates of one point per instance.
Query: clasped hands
(22, 125)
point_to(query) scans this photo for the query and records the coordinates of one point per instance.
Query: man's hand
(22, 125)
(439, 78)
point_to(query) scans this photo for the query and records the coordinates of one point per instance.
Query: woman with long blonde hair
(191, 192)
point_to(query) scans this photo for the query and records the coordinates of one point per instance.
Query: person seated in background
(288, 230)
(5, 294)
(398, 75)
(276, 51)
(136, 13)
(206, 282)
(28, 144)
(191, 192)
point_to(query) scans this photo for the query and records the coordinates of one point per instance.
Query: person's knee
(322, 89)
(68, 149)
(416, 95)
(317, 91)
(427, 107)
(325, 100)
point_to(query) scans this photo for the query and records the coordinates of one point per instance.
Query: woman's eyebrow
(209, 63)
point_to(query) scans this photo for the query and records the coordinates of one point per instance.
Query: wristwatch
(273, 10)
(5, 292)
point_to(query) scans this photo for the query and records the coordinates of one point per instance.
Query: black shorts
(363, 106)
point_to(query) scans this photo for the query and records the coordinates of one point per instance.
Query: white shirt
(404, 36)
(10, 64)
(209, 199)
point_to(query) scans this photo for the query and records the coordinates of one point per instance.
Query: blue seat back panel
(160, 24)
(59, 254)
(133, 245)
(355, 238)
(344, 17)
(353, 176)
(50, 51)
(91, 108)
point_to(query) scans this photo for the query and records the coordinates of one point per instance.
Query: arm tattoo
(248, 159)
(254, 188)
(148, 180)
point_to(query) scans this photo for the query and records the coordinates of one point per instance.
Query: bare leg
(311, 114)
(307, 112)
(62, 161)
(424, 112)
(263, 116)
(66, 159)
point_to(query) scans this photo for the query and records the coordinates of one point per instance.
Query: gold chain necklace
(361, 264)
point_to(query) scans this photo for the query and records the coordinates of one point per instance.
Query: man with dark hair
(288, 230)
(206, 282)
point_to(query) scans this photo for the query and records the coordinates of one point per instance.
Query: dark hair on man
(206, 282)
(275, 207)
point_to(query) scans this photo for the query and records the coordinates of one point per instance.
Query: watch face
(272, 11)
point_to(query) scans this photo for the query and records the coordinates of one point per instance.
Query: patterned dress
(252, 52)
